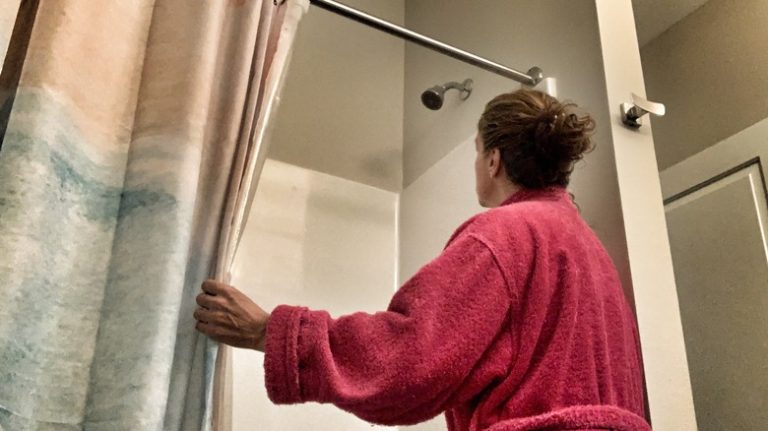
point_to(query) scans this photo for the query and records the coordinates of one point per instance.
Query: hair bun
(540, 138)
(561, 136)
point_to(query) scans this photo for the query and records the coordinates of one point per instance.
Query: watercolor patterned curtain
(135, 137)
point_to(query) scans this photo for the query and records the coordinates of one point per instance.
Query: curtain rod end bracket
(536, 74)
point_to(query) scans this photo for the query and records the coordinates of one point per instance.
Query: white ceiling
(654, 17)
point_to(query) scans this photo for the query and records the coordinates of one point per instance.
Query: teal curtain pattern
(135, 137)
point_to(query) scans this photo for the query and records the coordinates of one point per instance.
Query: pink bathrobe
(520, 324)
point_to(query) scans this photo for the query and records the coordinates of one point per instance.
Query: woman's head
(528, 139)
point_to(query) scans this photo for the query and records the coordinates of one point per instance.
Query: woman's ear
(494, 165)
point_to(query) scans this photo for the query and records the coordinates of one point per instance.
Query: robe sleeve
(401, 366)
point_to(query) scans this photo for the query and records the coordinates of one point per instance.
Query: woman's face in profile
(482, 179)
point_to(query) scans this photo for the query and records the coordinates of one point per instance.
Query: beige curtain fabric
(135, 140)
(8, 11)
(272, 59)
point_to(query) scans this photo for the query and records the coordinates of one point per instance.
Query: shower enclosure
(365, 184)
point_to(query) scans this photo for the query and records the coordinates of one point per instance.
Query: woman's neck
(502, 192)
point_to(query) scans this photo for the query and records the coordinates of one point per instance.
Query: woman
(520, 323)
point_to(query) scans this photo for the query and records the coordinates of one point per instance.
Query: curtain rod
(532, 77)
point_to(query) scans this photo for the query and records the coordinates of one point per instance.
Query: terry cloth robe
(520, 324)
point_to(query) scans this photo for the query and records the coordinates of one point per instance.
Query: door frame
(739, 150)
(670, 399)
(696, 187)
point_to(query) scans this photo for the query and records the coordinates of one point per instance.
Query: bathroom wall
(562, 38)
(709, 70)
(343, 98)
(320, 241)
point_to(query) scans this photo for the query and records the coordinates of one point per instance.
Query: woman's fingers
(208, 316)
(213, 287)
(227, 315)
(203, 327)
(209, 301)
(201, 315)
(215, 317)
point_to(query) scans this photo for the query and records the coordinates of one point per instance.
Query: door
(715, 204)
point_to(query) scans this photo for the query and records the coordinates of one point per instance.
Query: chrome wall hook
(631, 113)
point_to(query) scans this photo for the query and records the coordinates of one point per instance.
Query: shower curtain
(8, 11)
(136, 134)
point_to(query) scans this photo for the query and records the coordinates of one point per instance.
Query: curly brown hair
(540, 138)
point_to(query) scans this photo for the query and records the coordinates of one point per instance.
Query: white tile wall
(316, 240)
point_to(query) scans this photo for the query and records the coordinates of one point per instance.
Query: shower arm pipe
(531, 78)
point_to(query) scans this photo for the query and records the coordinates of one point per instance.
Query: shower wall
(320, 241)
(342, 108)
(434, 205)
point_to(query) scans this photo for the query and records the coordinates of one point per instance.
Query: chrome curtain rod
(532, 77)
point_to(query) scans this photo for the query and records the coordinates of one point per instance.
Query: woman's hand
(228, 316)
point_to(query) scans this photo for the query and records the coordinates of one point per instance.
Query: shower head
(433, 98)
